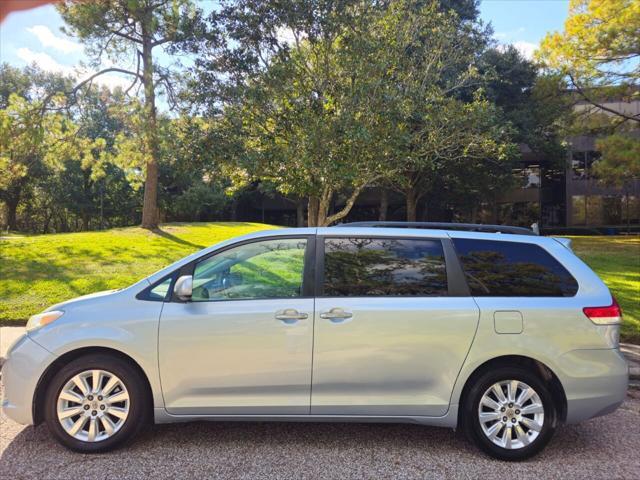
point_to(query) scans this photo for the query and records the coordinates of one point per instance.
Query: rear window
(360, 267)
(512, 269)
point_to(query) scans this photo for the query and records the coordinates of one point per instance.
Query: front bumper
(25, 363)
(595, 382)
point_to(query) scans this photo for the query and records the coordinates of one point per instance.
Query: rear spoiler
(565, 242)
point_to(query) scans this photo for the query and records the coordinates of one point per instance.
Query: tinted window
(258, 270)
(357, 267)
(513, 269)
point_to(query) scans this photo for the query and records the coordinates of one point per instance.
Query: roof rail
(473, 227)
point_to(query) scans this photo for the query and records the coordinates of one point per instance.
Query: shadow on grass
(172, 238)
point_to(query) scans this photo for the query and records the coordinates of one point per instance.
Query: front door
(390, 336)
(243, 344)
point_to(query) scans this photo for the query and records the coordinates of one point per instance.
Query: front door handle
(290, 315)
(336, 315)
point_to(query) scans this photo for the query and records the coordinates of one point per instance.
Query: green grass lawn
(617, 261)
(39, 270)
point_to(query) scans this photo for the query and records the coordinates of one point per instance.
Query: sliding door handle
(336, 315)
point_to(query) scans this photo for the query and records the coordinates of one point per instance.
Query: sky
(35, 36)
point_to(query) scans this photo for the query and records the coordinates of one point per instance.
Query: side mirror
(184, 287)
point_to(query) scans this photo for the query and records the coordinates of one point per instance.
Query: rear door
(393, 325)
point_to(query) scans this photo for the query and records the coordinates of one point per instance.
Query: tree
(599, 52)
(533, 102)
(132, 29)
(619, 164)
(31, 144)
(294, 102)
(24, 135)
(426, 64)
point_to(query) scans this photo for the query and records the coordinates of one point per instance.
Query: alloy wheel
(93, 405)
(511, 414)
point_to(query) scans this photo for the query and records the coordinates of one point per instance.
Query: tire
(524, 442)
(122, 392)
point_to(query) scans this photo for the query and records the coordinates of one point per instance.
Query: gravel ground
(606, 447)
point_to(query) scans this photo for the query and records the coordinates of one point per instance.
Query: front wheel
(509, 413)
(95, 403)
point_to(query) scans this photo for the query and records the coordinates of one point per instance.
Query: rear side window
(360, 267)
(512, 269)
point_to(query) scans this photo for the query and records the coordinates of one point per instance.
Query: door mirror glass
(184, 287)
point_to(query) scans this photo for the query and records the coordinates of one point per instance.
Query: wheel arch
(54, 367)
(545, 373)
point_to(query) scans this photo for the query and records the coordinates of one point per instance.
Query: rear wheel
(509, 413)
(96, 403)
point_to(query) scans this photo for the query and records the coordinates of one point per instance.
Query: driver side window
(258, 270)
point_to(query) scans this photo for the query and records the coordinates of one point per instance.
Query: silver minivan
(494, 330)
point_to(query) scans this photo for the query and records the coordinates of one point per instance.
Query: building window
(631, 209)
(594, 210)
(578, 166)
(582, 163)
(612, 210)
(578, 210)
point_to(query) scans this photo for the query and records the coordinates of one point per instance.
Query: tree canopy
(314, 102)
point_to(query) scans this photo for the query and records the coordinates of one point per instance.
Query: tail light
(604, 315)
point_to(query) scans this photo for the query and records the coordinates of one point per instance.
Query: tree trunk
(234, 209)
(412, 203)
(12, 201)
(424, 216)
(628, 215)
(12, 208)
(384, 205)
(85, 221)
(323, 210)
(150, 202)
(312, 211)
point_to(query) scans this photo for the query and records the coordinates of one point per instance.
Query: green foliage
(328, 98)
(534, 104)
(620, 161)
(313, 100)
(298, 117)
(600, 42)
(598, 52)
(441, 128)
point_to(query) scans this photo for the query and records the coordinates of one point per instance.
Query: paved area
(632, 354)
(605, 448)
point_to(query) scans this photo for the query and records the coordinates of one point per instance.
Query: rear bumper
(26, 362)
(595, 382)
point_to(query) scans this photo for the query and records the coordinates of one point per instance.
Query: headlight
(42, 319)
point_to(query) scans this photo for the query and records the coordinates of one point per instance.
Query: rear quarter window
(512, 269)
